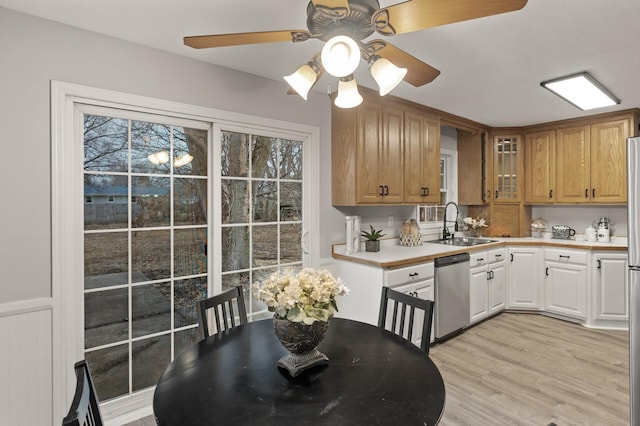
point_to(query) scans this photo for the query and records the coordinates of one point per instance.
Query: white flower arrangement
(306, 297)
(475, 222)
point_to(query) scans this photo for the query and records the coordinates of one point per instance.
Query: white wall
(34, 52)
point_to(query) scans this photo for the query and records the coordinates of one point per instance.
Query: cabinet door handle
(386, 190)
(599, 264)
(586, 193)
(546, 271)
(511, 254)
(496, 194)
(550, 193)
(426, 191)
(492, 275)
(488, 275)
(381, 193)
(593, 193)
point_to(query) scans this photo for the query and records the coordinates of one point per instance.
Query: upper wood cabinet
(507, 168)
(573, 160)
(540, 167)
(379, 152)
(578, 162)
(421, 153)
(608, 161)
(475, 182)
(384, 152)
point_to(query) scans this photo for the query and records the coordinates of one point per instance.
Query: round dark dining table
(373, 378)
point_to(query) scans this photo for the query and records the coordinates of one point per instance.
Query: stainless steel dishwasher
(451, 310)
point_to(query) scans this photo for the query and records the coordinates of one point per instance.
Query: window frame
(450, 158)
(67, 219)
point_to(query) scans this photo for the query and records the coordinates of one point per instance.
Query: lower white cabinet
(487, 281)
(524, 289)
(566, 282)
(587, 286)
(610, 290)
(365, 283)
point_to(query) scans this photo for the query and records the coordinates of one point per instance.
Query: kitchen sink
(462, 241)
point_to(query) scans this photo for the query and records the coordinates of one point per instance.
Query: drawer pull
(498, 256)
(413, 274)
(564, 256)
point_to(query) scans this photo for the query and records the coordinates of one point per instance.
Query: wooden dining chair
(406, 309)
(224, 313)
(84, 410)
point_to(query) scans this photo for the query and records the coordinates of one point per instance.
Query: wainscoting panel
(26, 363)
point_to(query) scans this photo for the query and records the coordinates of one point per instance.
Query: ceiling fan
(345, 24)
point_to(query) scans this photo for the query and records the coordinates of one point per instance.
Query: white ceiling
(491, 68)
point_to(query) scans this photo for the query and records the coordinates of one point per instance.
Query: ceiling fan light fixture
(303, 79)
(348, 95)
(581, 90)
(386, 74)
(340, 56)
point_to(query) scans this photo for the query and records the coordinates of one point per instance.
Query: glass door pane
(261, 210)
(145, 247)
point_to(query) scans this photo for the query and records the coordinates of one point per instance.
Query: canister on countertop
(603, 235)
(562, 232)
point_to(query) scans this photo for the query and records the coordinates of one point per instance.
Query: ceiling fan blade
(418, 73)
(415, 15)
(238, 39)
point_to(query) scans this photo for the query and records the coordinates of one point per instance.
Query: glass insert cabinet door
(506, 151)
(146, 186)
(261, 210)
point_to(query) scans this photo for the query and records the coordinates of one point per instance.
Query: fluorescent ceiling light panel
(582, 90)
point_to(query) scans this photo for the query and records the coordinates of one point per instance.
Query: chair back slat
(405, 309)
(84, 410)
(224, 314)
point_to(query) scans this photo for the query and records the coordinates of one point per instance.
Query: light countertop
(393, 255)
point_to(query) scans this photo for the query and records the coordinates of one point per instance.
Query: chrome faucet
(445, 232)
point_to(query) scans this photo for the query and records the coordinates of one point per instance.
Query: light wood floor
(528, 369)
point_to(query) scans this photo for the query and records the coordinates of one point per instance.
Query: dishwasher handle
(451, 260)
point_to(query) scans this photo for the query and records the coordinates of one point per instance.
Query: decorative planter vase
(372, 245)
(475, 232)
(301, 341)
